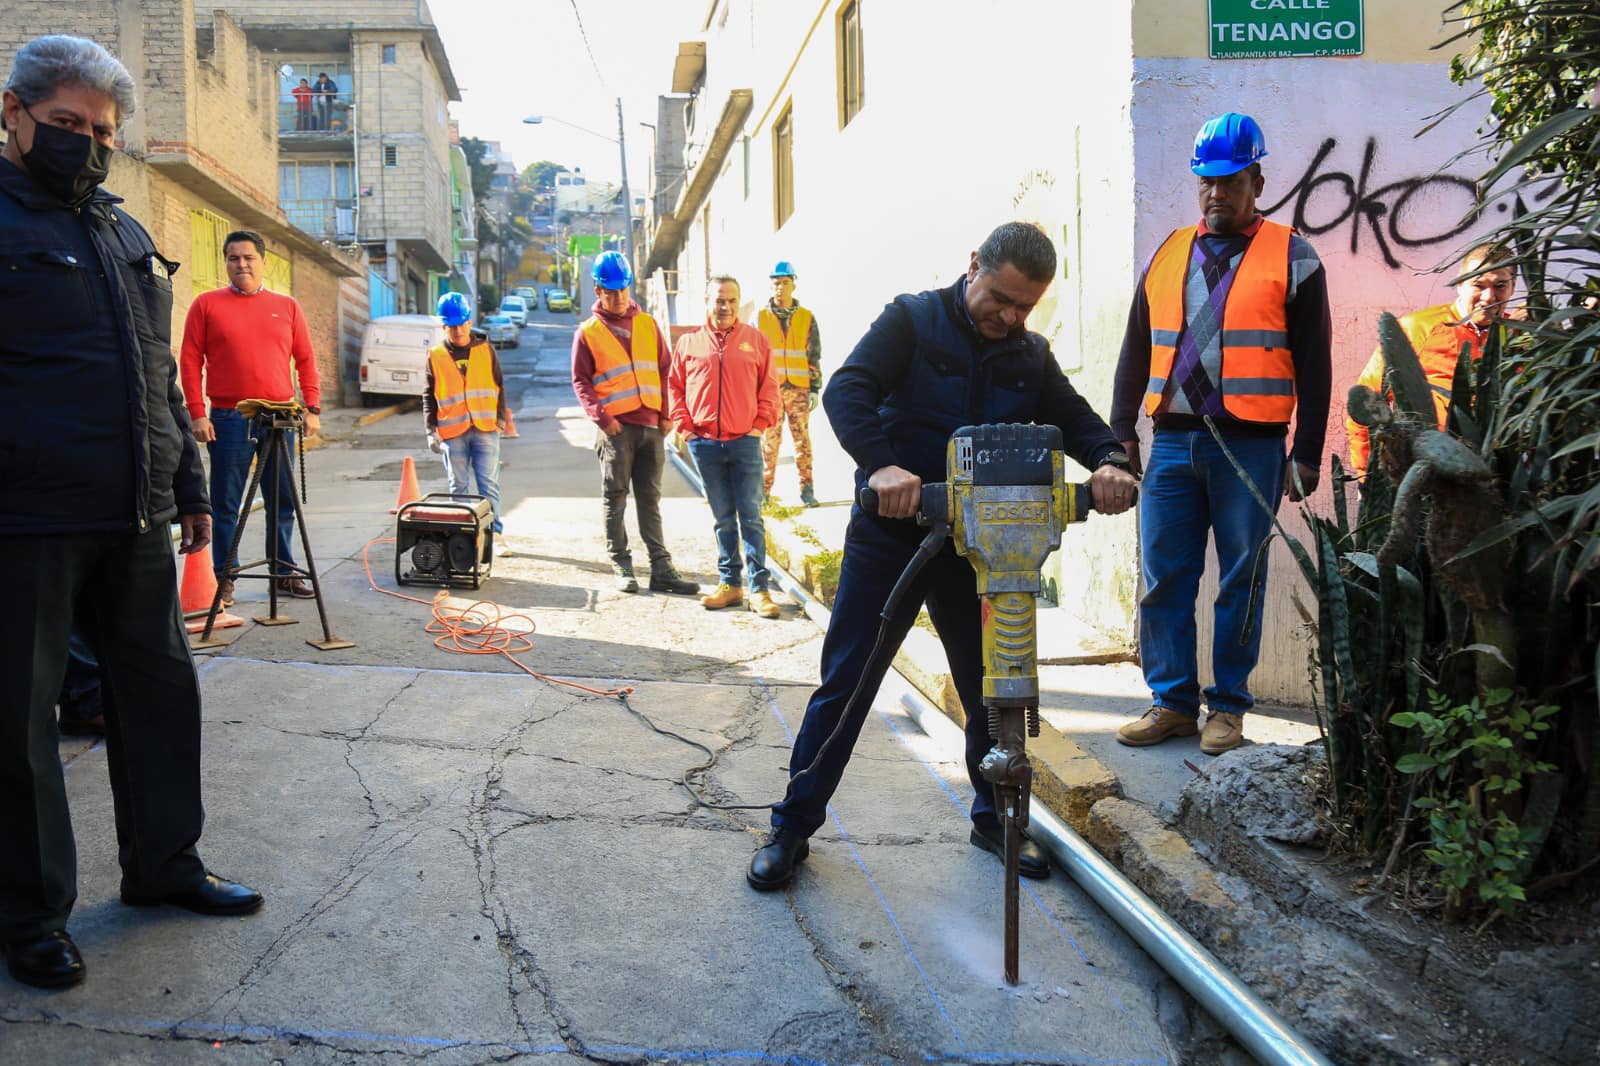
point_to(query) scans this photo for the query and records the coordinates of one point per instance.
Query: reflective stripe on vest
(1257, 366)
(625, 381)
(788, 356)
(471, 402)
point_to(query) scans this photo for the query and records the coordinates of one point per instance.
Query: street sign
(1259, 29)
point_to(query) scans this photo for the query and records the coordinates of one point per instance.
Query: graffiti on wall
(1395, 214)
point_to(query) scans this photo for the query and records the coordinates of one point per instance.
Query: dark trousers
(120, 590)
(873, 562)
(80, 690)
(633, 458)
(232, 454)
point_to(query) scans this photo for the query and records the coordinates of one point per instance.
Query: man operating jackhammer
(933, 362)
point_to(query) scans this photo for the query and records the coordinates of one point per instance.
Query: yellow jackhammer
(1006, 502)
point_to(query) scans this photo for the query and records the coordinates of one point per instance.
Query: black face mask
(70, 165)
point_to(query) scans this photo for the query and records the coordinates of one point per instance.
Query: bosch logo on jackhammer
(1012, 511)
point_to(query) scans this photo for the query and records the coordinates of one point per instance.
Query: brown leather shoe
(225, 586)
(298, 587)
(724, 596)
(1157, 725)
(1224, 731)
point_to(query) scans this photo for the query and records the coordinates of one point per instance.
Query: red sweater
(245, 346)
(722, 384)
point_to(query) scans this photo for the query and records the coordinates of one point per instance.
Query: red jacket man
(722, 392)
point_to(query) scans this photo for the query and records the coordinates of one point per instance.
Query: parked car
(516, 308)
(501, 330)
(394, 354)
(529, 297)
(557, 300)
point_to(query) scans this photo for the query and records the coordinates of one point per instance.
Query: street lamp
(627, 199)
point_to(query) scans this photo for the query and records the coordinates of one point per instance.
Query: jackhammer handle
(1083, 498)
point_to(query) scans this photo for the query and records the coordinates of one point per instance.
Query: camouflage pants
(797, 410)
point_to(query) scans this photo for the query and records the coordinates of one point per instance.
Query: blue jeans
(731, 472)
(1189, 488)
(478, 451)
(875, 554)
(231, 455)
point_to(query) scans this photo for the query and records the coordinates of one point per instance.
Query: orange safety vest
(472, 402)
(625, 381)
(789, 359)
(1257, 365)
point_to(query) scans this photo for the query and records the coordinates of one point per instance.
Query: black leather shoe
(48, 961)
(1031, 861)
(669, 581)
(78, 726)
(210, 895)
(774, 864)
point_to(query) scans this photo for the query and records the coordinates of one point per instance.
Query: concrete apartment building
(198, 158)
(813, 133)
(370, 165)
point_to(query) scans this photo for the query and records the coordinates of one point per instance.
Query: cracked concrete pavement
(464, 864)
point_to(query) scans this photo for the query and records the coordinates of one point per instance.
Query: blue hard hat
(455, 309)
(784, 269)
(611, 271)
(1227, 144)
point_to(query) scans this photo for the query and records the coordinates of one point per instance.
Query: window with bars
(206, 233)
(278, 273)
(783, 167)
(852, 87)
(391, 155)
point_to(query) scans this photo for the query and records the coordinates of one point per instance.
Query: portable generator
(446, 538)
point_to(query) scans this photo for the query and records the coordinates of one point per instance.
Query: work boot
(667, 579)
(1031, 861)
(761, 603)
(297, 587)
(808, 498)
(1224, 731)
(225, 586)
(1157, 725)
(626, 582)
(773, 865)
(725, 596)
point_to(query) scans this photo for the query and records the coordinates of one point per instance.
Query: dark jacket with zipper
(923, 371)
(94, 436)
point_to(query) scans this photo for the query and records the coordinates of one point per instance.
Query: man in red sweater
(723, 392)
(247, 343)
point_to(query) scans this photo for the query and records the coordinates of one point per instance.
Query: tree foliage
(1459, 614)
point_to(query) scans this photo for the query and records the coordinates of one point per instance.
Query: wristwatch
(317, 411)
(1118, 459)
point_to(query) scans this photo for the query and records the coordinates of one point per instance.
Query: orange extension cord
(479, 629)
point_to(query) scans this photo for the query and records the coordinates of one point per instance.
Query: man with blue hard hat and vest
(1229, 328)
(464, 404)
(791, 332)
(619, 371)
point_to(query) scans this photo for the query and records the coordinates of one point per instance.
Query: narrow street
(466, 864)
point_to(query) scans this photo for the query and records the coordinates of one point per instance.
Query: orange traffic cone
(410, 491)
(198, 590)
(511, 427)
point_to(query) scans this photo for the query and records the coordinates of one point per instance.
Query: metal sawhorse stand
(271, 424)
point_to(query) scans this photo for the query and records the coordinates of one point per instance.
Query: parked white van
(394, 354)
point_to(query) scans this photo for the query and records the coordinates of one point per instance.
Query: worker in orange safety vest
(791, 332)
(1437, 334)
(464, 403)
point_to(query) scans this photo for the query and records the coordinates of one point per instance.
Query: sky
(514, 58)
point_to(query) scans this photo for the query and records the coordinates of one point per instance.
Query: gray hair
(1023, 245)
(724, 279)
(47, 63)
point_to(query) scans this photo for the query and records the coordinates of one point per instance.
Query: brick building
(198, 158)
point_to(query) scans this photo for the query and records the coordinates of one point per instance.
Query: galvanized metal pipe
(1258, 1028)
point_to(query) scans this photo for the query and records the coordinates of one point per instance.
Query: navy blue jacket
(922, 372)
(94, 436)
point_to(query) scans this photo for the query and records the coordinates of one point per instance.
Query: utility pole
(627, 199)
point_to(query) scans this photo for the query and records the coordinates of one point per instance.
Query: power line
(585, 35)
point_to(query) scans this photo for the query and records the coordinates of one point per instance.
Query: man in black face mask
(98, 458)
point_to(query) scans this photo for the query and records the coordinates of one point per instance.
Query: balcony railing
(327, 220)
(324, 118)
